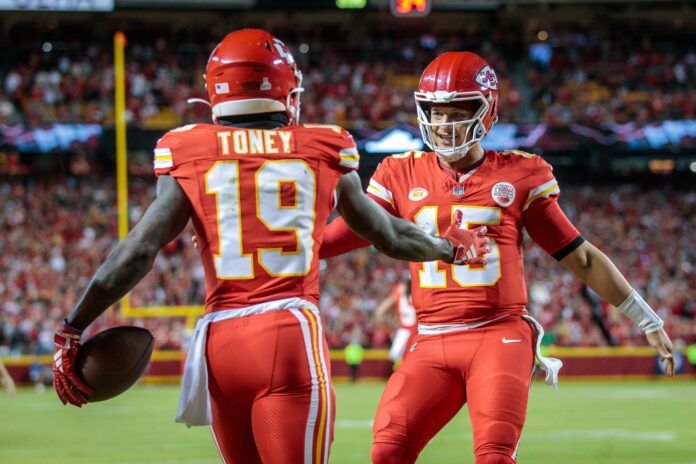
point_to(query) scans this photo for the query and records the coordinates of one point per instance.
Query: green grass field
(581, 423)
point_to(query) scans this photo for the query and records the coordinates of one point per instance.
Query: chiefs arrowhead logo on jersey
(503, 193)
(417, 194)
(486, 78)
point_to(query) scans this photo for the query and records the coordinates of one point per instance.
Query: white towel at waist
(194, 400)
(550, 365)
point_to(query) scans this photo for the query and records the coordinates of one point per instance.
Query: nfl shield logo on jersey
(458, 191)
(503, 193)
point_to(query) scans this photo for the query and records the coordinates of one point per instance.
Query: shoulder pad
(408, 154)
(521, 153)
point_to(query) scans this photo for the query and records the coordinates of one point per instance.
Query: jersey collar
(460, 175)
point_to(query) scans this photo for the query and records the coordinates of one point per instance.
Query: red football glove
(469, 244)
(69, 386)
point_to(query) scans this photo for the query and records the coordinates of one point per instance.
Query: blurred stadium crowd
(651, 235)
(560, 76)
(54, 231)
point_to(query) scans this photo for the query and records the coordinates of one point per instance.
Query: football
(113, 360)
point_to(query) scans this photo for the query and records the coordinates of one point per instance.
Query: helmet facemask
(475, 127)
(293, 100)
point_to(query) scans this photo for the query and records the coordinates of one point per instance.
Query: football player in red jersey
(400, 299)
(258, 187)
(476, 342)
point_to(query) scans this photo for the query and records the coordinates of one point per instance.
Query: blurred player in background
(400, 299)
(259, 188)
(6, 380)
(476, 342)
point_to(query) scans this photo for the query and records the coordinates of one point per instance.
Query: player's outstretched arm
(402, 239)
(338, 239)
(132, 258)
(127, 263)
(385, 305)
(595, 269)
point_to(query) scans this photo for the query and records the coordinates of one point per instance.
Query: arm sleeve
(339, 239)
(551, 229)
(545, 221)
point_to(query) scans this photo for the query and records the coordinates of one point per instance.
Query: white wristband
(641, 313)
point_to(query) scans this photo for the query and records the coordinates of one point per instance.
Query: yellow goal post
(191, 312)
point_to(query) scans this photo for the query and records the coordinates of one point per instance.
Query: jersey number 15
(431, 276)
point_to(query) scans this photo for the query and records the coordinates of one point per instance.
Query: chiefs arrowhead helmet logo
(486, 77)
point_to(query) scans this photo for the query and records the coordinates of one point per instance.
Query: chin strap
(191, 101)
(456, 156)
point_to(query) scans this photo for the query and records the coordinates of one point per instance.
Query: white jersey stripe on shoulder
(535, 191)
(381, 192)
(350, 157)
(551, 190)
(163, 164)
(163, 158)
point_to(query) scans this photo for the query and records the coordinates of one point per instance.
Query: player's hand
(469, 244)
(69, 386)
(661, 342)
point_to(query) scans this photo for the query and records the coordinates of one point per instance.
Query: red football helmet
(252, 72)
(450, 79)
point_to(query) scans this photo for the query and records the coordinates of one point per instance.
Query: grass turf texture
(615, 422)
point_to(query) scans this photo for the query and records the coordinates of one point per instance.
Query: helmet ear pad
(478, 130)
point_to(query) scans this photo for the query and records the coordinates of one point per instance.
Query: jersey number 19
(222, 180)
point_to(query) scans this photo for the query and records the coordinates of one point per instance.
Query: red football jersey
(260, 201)
(501, 193)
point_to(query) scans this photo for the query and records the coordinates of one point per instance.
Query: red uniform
(473, 345)
(408, 327)
(260, 202)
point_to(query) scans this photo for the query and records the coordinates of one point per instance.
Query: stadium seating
(649, 233)
(365, 83)
(594, 77)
